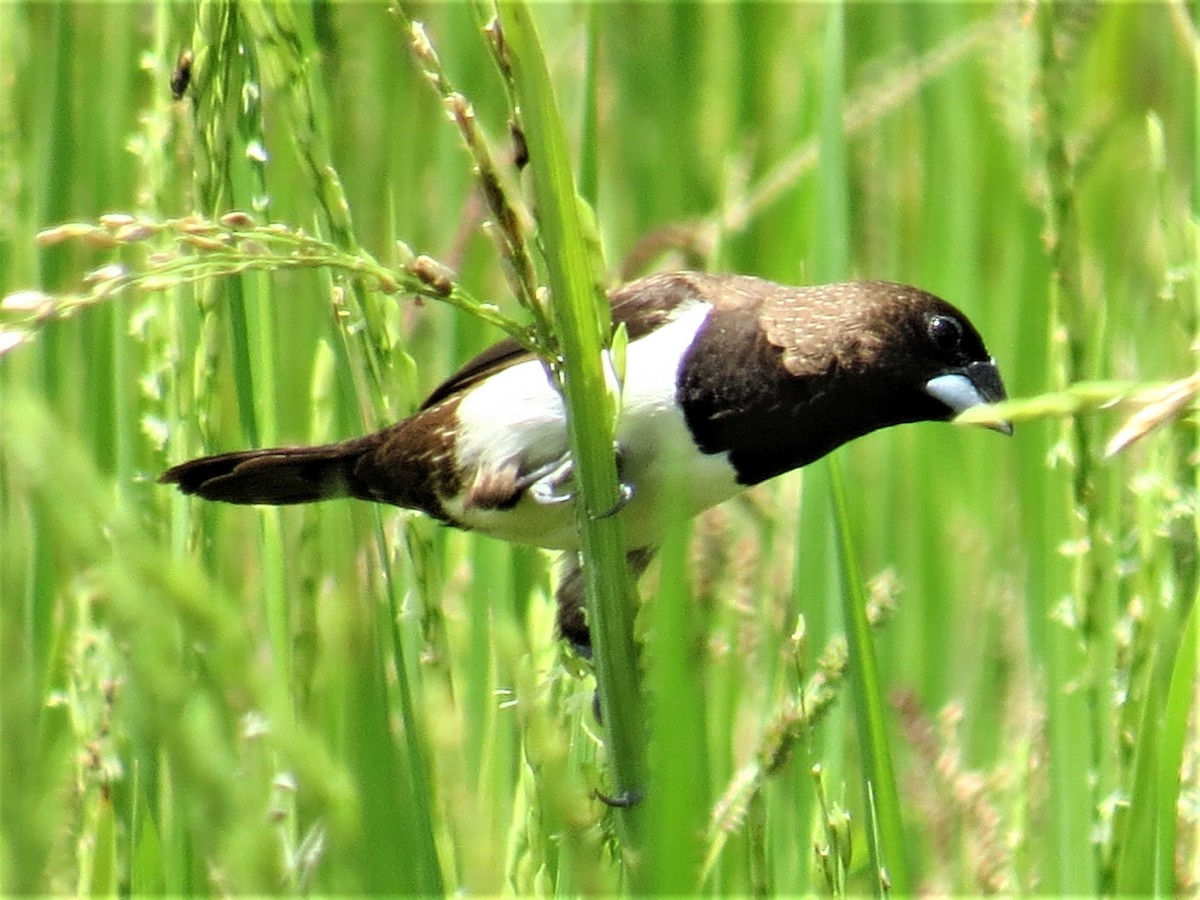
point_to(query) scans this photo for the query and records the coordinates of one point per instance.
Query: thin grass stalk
(1146, 859)
(833, 252)
(1071, 719)
(883, 822)
(832, 263)
(272, 26)
(186, 785)
(419, 819)
(506, 225)
(581, 320)
(1180, 705)
(677, 810)
(589, 131)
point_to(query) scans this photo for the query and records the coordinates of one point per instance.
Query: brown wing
(815, 329)
(806, 323)
(499, 356)
(823, 328)
(641, 306)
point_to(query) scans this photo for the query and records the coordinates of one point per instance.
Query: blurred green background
(344, 699)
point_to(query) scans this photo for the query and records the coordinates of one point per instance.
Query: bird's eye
(946, 333)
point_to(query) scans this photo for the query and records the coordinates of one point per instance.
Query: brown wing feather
(641, 306)
(499, 356)
(806, 323)
(819, 329)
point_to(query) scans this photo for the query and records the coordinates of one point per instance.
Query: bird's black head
(782, 375)
(925, 357)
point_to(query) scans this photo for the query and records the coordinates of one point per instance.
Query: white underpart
(516, 415)
(956, 391)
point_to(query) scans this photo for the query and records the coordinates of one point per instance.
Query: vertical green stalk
(1146, 860)
(231, 40)
(1072, 863)
(881, 802)
(581, 320)
(832, 253)
(885, 830)
(221, 113)
(589, 140)
(833, 202)
(679, 806)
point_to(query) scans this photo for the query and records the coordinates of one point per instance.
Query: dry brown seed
(116, 220)
(136, 231)
(101, 239)
(111, 272)
(205, 243)
(422, 44)
(195, 225)
(237, 219)
(434, 274)
(24, 301)
(1159, 407)
(49, 236)
(519, 144)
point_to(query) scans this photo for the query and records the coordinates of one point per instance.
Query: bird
(730, 380)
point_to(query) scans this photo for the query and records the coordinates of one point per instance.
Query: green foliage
(336, 699)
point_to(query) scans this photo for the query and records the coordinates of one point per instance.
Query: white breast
(517, 416)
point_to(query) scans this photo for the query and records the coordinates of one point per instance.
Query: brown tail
(275, 476)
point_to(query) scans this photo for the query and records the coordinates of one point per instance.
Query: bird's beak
(975, 384)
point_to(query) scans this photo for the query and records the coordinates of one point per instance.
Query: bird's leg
(572, 597)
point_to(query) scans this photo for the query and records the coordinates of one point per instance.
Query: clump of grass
(336, 700)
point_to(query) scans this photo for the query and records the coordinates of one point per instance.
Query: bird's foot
(624, 800)
(554, 483)
(624, 495)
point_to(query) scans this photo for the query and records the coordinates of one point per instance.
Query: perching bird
(729, 380)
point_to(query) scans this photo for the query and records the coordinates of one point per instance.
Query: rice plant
(945, 662)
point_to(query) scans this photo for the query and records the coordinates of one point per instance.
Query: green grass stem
(881, 800)
(582, 325)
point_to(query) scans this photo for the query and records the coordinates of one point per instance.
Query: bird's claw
(550, 484)
(554, 483)
(624, 495)
(627, 799)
